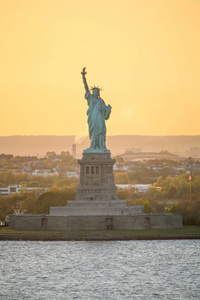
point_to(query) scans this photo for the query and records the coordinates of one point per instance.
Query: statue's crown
(95, 87)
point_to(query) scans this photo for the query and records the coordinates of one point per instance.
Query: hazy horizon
(118, 144)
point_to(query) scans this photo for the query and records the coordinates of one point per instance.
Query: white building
(19, 188)
(72, 174)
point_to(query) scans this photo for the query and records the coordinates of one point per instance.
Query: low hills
(118, 144)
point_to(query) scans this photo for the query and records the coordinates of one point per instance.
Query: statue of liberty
(97, 113)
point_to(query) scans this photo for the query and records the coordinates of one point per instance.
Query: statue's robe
(97, 113)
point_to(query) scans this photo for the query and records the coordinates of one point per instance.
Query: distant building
(19, 188)
(131, 156)
(6, 156)
(74, 150)
(24, 159)
(10, 189)
(122, 168)
(138, 187)
(43, 172)
(72, 174)
(57, 158)
(65, 153)
(50, 154)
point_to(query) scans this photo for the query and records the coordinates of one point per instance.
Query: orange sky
(144, 53)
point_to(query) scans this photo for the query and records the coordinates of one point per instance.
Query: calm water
(100, 270)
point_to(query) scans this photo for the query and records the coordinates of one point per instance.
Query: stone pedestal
(96, 178)
(97, 192)
(97, 206)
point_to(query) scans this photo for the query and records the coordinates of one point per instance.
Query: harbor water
(115, 270)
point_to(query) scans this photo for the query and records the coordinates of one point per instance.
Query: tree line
(171, 194)
(33, 203)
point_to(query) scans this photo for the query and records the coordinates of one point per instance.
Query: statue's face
(95, 93)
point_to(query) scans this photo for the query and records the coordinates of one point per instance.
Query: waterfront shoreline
(89, 237)
(186, 232)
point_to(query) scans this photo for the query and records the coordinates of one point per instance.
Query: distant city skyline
(144, 54)
(40, 145)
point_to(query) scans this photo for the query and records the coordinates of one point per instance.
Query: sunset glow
(145, 54)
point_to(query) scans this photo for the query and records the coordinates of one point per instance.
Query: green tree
(119, 160)
(172, 192)
(62, 182)
(55, 197)
(121, 178)
(147, 207)
(33, 184)
(123, 194)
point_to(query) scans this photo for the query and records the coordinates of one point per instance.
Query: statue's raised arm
(84, 80)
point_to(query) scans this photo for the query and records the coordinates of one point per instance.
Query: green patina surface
(97, 113)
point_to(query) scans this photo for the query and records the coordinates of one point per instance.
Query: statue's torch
(83, 71)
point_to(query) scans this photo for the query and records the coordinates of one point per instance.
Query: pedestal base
(96, 208)
(96, 178)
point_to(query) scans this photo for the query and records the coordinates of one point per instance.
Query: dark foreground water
(100, 270)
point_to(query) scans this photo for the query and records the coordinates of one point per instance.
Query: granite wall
(140, 221)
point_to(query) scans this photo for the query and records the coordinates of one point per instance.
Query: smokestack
(74, 150)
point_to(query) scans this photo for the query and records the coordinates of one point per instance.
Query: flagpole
(190, 180)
